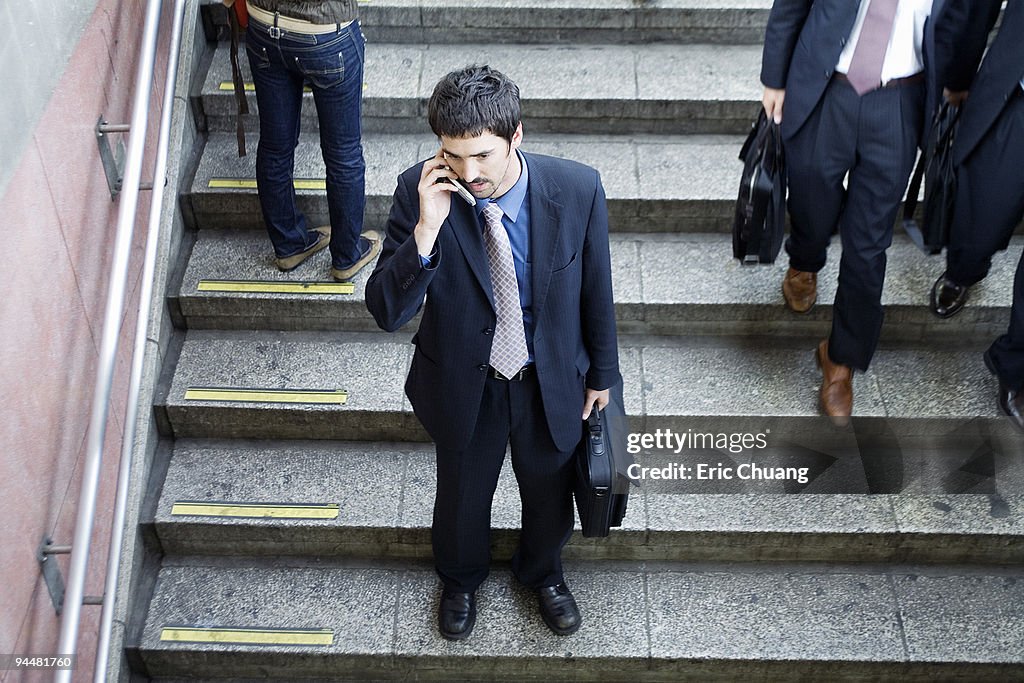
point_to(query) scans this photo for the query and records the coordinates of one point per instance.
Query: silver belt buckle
(274, 32)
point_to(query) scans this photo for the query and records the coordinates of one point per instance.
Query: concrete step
(589, 21)
(654, 183)
(641, 622)
(710, 384)
(663, 284)
(565, 88)
(384, 495)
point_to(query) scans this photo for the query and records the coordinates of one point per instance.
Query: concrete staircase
(294, 529)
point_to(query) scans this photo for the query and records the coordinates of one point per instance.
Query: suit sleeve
(597, 314)
(785, 22)
(961, 34)
(398, 284)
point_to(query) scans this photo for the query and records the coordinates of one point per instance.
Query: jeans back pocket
(323, 70)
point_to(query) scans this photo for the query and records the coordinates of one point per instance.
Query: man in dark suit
(852, 77)
(987, 153)
(517, 339)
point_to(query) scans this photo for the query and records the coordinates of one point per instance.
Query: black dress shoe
(947, 297)
(1011, 401)
(558, 609)
(456, 614)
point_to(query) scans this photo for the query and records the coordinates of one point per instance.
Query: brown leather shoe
(800, 290)
(836, 387)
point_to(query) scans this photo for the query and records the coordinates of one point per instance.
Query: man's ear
(517, 137)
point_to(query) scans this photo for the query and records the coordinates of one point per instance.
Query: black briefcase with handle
(602, 487)
(935, 168)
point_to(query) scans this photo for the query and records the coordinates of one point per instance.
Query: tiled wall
(58, 229)
(34, 49)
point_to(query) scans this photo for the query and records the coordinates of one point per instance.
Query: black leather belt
(523, 373)
(894, 83)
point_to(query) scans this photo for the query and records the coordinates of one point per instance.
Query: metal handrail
(138, 354)
(86, 511)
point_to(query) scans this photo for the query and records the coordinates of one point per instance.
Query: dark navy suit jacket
(802, 44)
(962, 31)
(574, 337)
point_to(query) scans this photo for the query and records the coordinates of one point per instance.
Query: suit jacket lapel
(466, 227)
(545, 223)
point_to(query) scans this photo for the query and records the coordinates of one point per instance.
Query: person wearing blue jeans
(292, 43)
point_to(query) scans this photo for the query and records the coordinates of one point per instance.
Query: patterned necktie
(508, 350)
(865, 72)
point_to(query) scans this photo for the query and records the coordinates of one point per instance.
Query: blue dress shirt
(516, 219)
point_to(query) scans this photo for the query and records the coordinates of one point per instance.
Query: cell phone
(462, 191)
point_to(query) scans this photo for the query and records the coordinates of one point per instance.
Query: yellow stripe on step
(229, 86)
(247, 636)
(275, 287)
(317, 396)
(272, 510)
(250, 184)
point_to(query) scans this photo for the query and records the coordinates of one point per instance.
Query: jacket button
(482, 367)
(488, 331)
(828, 74)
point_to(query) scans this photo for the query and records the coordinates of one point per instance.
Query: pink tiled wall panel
(59, 225)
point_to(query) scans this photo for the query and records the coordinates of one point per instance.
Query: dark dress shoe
(558, 609)
(1011, 401)
(947, 297)
(456, 614)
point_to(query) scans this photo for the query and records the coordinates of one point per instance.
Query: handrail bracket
(112, 158)
(51, 571)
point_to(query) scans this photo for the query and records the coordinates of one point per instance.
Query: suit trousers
(466, 481)
(989, 206)
(871, 142)
(989, 198)
(1007, 351)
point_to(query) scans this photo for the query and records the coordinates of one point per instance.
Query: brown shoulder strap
(236, 77)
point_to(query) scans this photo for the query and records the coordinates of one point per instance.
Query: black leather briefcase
(935, 168)
(759, 223)
(601, 488)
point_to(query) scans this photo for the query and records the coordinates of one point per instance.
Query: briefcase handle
(595, 432)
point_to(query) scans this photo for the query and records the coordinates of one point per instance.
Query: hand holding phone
(437, 183)
(461, 190)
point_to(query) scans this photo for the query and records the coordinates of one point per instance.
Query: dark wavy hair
(470, 101)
